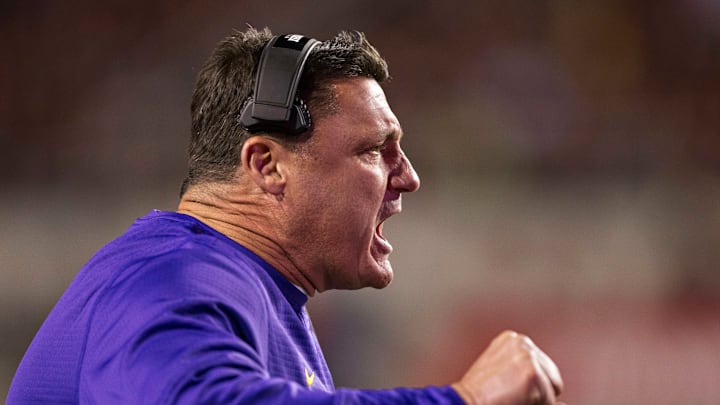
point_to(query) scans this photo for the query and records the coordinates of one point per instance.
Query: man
(207, 304)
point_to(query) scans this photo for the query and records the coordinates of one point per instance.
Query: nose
(404, 179)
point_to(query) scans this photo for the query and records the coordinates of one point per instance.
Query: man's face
(345, 186)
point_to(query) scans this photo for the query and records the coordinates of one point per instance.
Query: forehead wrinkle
(390, 128)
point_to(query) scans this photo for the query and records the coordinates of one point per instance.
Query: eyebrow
(392, 135)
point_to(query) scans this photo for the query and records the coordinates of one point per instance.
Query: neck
(248, 220)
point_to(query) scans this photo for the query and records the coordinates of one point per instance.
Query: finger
(552, 371)
(547, 365)
(544, 391)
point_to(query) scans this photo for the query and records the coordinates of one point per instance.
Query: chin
(382, 284)
(380, 276)
(376, 274)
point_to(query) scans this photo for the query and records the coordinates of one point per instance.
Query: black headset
(274, 107)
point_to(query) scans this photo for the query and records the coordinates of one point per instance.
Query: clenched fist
(511, 371)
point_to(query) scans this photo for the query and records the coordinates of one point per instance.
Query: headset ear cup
(274, 106)
(299, 121)
(246, 120)
(304, 120)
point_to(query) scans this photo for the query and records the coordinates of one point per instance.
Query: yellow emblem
(309, 378)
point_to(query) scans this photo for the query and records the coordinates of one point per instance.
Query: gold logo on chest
(309, 378)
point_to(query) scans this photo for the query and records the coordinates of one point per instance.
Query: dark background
(568, 152)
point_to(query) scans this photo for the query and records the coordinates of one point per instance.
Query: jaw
(359, 258)
(371, 269)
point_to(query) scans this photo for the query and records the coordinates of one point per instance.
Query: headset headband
(274, 106)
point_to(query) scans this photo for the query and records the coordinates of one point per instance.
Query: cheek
(364, 196)
(350, 212)
(371, 183)
(344, 201)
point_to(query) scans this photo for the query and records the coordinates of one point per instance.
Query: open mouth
(378, 230)
(384, 244)
(380, 242)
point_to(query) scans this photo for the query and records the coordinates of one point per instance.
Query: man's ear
(261, 160)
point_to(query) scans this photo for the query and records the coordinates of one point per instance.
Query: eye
(376, 149)
(379, 148)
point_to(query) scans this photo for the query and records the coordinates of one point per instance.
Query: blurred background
(568, 152)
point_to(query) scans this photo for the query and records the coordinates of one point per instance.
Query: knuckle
(509, 334)
(504, 338)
